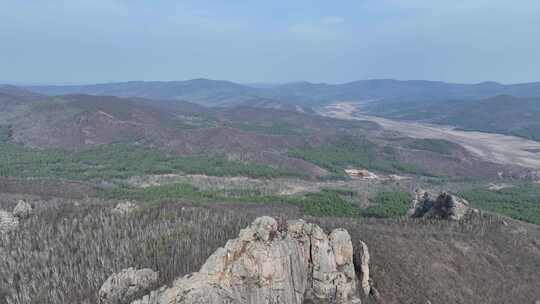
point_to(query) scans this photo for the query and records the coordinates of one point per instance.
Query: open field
(497, 148)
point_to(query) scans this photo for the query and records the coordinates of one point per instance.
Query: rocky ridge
(292, 263)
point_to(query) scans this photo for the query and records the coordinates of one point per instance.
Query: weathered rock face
(8, 221)
(22, 210)
(445, 206)
(364, 268)
(124, 208)
(127, 285)
(265, 265)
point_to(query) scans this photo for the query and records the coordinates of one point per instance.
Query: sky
(268, 41)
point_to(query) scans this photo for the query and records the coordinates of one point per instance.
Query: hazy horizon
(252, 84)
(101, 41)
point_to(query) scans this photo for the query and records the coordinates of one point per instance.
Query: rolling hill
(488, 106)
(225, 93)
(291, 141)
(13, 100)
(396, 90)
(201, 91)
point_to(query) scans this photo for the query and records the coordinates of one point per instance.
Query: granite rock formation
(297, 263)
(444, 206)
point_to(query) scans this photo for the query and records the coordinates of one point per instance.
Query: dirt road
(497, 148)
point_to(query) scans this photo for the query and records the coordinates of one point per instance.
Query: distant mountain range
(224, 93)
(488, 106)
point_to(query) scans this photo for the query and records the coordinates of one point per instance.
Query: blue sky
(86, 41)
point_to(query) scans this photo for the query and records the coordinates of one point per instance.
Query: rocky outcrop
(298, 263)
(8, 221)
(364, 268)
(127, 285)
(124, 208)
(22, 210)
(445, 206)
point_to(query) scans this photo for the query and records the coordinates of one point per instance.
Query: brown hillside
(261, 135)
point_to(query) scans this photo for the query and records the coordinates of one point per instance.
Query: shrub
(521, 202)
(389, 204)
(355, 152)
(440, 146)
(120, 161)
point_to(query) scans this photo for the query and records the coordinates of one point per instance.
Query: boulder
(127, 285)
(124, 208)
(265, 265)
(22, 210)
(445, 206)
(8, 221)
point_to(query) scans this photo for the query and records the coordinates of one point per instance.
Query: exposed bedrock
(292, 263)
(444, 206)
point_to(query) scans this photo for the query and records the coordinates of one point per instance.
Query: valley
(492, 147)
